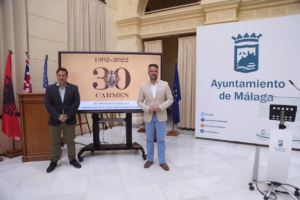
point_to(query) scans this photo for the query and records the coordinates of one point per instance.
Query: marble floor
(199, 170)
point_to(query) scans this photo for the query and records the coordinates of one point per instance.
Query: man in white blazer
(154, 98)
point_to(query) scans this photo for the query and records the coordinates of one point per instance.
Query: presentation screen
(108, 81)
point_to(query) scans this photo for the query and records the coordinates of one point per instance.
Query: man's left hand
(156, 109)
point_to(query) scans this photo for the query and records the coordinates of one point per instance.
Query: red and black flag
(10, 122)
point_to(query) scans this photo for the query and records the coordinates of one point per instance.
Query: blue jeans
(160, 136)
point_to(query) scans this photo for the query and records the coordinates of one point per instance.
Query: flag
(177, 97)
(10, 122)
(45, 78)
(27, 78)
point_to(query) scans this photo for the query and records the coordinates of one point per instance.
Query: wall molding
(268, 12)
(187, 19)
(177, 21)
(258, 4)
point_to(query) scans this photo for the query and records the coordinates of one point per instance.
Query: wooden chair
(80, 123)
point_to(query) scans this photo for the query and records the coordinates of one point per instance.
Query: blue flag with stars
(45, 78)
(177, 97)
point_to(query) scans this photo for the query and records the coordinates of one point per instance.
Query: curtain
(153, 46)
(187, 77)
(86, 25)
(13, 36)
(86, 32)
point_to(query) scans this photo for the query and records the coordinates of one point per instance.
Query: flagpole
(173, 132)
(1, 159)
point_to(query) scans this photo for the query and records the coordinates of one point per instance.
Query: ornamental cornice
(129, 27)
(258, 4)
(268, 12)
(221, 16)
(177, 21)
(187, 19)
(220, 11)
(129, 21)
(129, 36)
(180, 13)
(209, 5)
(175, 32)
(128, 30)
(172, 27)
(175, 15)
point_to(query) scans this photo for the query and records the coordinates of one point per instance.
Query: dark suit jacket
(55, 106)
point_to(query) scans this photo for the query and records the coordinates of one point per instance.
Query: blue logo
(263, 132)
(202, 119)
(246, 53)
(202, 113)
(202, 130)
(280, 143)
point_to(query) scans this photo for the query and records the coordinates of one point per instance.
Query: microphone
(294, 85)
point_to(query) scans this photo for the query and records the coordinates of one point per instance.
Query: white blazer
(163, 99)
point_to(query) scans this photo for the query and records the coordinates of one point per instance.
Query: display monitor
(108, 81)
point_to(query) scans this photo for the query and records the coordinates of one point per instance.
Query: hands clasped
(63, 117)
(152, 109)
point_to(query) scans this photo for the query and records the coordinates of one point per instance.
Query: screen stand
(281, 125)
(97, 146)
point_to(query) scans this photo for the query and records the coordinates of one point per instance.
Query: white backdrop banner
(241, 65)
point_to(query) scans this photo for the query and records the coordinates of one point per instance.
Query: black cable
(80, 143)
(103, 137)
(112, 143)
(259, 190)
(120, 143)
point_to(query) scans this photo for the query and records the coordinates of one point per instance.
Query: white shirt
(62, 91)
(154, 88)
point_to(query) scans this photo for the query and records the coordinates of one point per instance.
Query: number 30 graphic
(112, 78)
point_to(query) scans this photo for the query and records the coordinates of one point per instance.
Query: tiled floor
(199, 170)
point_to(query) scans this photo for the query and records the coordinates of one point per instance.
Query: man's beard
(153, 78)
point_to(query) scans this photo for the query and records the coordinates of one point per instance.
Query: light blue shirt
(62, 92)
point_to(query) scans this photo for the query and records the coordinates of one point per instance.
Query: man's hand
(156, 109)
(151, 109)
(63, 118)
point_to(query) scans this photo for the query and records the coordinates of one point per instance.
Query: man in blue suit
(62, 101)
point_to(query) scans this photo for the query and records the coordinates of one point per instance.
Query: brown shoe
(165, 166)
(148, 164)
